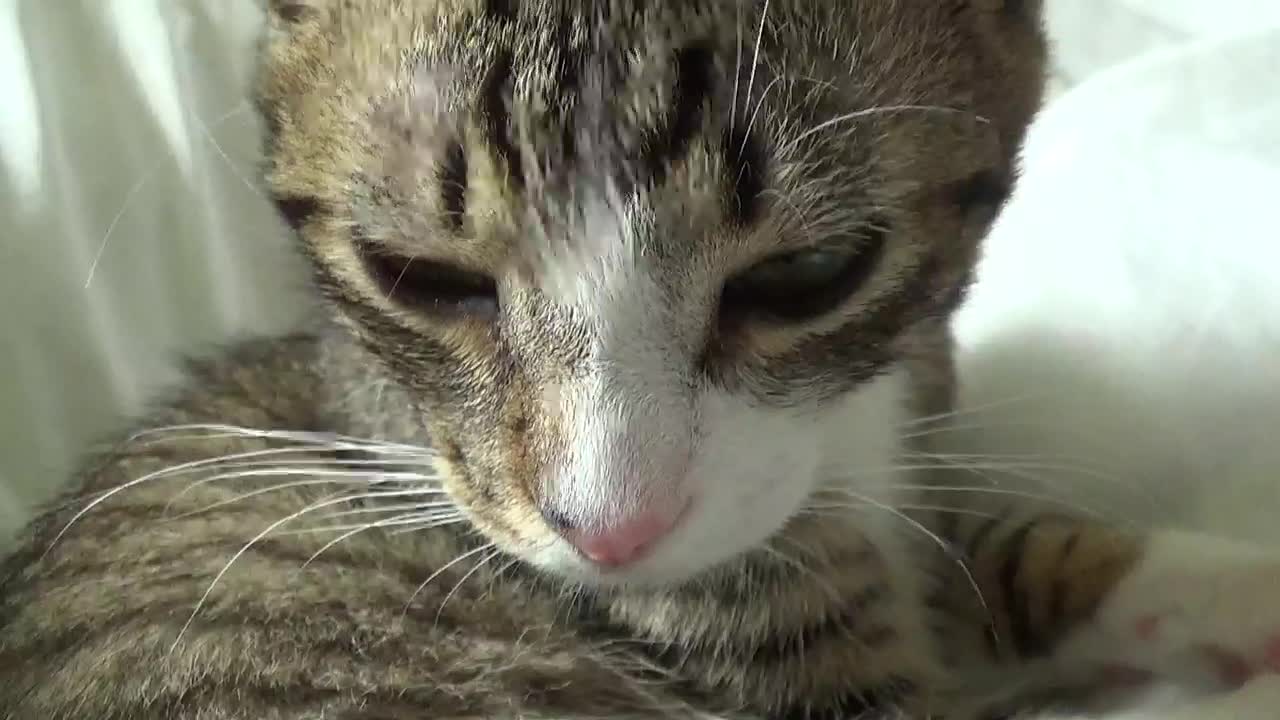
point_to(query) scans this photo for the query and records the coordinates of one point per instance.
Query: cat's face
(656, 272)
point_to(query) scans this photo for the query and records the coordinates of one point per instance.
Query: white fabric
(129, 230)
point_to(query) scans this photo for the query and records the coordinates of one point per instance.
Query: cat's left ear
(1009, 62)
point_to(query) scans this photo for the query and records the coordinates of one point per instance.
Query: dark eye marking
(453, 185)
(496, 117)
(693, 87)
(747, 172)
(804, 284)
(429, 286)
(297, 210)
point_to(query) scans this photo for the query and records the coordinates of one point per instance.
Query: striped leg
(1091, 601)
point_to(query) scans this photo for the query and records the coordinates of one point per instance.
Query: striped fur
(209, 587)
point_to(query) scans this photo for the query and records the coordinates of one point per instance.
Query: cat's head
(654, 272)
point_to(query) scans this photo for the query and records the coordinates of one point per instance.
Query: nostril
(622, 542)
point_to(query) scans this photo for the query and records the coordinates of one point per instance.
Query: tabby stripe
(1061, 587)
(979, 537)
(1014, 550)
(500, 10)
(496, 117)
(782, 646)
(667, 145)
(297, 210)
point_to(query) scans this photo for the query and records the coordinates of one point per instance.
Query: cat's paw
(1192, 605)
(1258, 699)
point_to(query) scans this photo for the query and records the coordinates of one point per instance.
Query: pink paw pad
(1232, 669)
(1147, 627)
(1271, 654)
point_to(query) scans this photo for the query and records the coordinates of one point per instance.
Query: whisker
(755, 60)
(425, 526)
(231, 165)
(1006, 463)
(403, 519)
(285, 486)
(1020, 471)
(442, 569)
(880, 110)
(910, 506)
(391, 508)
(737, 73)
(803, 569)
(320, 439)
(169, 471)
(932, 536)
(343, 527)
(136, 188)
(752, 122)
(244, 549)
(969, 410)
(331, 477)
(483, 561)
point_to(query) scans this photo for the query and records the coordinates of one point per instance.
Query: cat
(638, 314)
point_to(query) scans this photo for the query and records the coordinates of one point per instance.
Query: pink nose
(624, 542)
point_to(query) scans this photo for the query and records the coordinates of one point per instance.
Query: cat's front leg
(1190, 606)
(1095, 603)
(1258, 699)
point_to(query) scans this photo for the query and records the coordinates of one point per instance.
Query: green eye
(803, 284)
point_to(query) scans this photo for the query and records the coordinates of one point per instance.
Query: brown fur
(363, 101)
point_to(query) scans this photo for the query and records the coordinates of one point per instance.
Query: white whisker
(136, 188)
(403, 519)
(755, 59)
(441, 570)
(482, 562)
(879, 110)
(392, 508)
(932, 536)
(244, 549)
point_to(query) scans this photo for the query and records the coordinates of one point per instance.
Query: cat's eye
(431, 286)
(803, 284)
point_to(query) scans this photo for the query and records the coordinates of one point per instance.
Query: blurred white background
(131, 228)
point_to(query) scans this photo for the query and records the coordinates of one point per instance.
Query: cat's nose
(622, 542)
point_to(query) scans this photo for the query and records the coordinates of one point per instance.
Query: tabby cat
(637, 311)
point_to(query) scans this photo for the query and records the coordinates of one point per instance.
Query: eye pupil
(430, 286)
